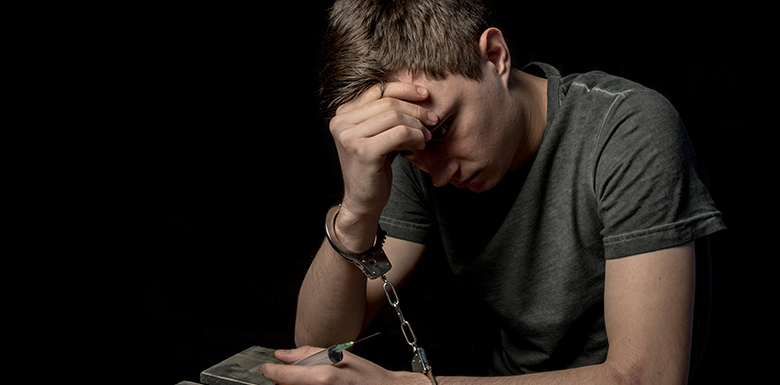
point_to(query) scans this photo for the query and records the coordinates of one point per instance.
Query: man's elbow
(300, 340)
(646, 372)
(625, 374)
(304, 336)
(308, 334)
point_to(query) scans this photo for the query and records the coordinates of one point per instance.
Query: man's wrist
(412, 378)
(373, 262)
(356, 233)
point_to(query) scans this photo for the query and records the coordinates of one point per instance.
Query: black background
(228, 169)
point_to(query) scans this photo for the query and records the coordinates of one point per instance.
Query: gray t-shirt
(615, 176)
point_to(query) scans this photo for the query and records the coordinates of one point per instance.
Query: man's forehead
(419, 79)
(443, 92)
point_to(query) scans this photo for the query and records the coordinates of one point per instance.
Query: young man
(570, 205)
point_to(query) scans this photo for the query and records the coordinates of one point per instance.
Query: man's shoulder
(618, 97)
(600, 82)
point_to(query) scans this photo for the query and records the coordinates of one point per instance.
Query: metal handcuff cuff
(374, 264)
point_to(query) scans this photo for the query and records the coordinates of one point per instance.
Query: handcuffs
(374, 264)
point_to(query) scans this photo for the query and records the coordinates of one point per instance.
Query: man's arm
(337, 301)
(648, 305)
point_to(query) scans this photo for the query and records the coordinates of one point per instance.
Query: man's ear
(493, 47)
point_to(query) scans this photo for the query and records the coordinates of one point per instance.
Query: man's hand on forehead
(413, 93)
(393, 115)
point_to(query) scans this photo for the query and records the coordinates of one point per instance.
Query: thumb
(294, 355)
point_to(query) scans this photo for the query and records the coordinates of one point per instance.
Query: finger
(293, 355)
(380, 123)
(380, 115)
(292, 374)
(400, 138)
(405, 91)
(383, 105)
(398, 90)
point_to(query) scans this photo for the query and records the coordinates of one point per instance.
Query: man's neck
(530, 97)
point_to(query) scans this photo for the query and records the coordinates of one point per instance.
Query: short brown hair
(368, 41)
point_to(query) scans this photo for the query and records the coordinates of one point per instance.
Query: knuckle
(343, 138)
(335, 125)
(387, 119)
(376, 91)
(395, 115)
(403, 133)
(361, 152)
(421, 112)
(348, 106)
(410, 132)
(399, 117)
(372, 93)
(387, 103)
(348, 143)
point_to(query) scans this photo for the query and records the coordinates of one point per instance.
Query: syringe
(331, 355)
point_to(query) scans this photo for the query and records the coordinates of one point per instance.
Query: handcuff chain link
(420, 360)
(394, 302)
(374, 264)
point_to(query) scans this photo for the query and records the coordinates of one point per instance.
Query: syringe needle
(365, 338)
(347, 345)
(331, 355)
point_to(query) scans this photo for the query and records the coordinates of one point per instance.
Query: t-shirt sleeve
(648, 184)
(408, 214)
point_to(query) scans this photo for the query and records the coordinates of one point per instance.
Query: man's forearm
(332, 301)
